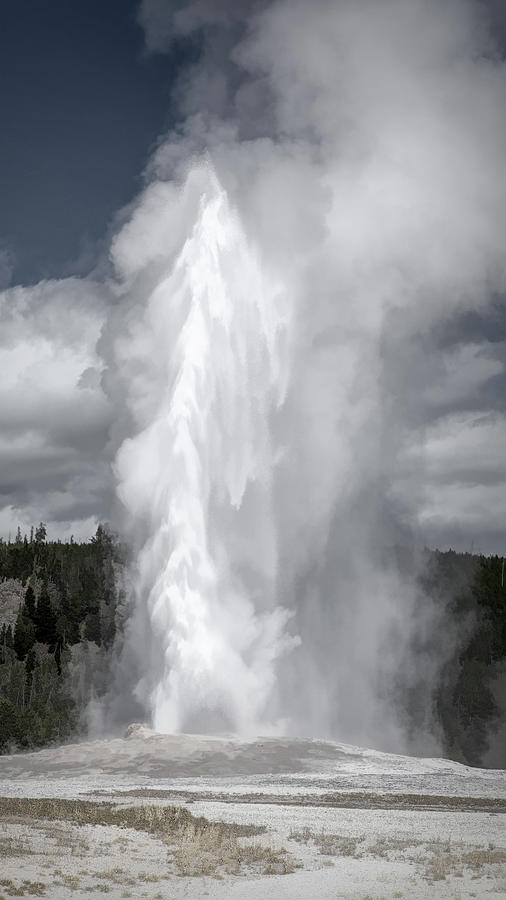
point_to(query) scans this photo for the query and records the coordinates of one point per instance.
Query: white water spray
(207, 370)
(360, 143)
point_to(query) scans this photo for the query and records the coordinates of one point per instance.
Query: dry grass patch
(23, 888)
(438, 860)
(14, 846)
(384, 846)
(211, 849)
(435, 860)
(329, 844)
(72, 881)
(447, 861)
(344, 800)
(159, 820)
(120, 876)
(198, 847)
(116, 875)
(338, 845)
(437, 868)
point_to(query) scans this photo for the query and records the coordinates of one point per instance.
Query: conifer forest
(62, 605)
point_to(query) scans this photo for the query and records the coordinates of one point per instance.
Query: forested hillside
(59, 611)
(470, 700)
(64, 622)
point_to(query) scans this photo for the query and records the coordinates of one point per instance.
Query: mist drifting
(333, 194)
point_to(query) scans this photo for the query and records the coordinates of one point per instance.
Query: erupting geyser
(285, 396)
(207, 362)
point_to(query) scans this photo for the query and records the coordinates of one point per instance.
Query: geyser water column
(205, 358)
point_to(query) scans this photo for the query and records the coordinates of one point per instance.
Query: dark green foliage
(36, 706)
(92, 630)
(70, 597)
(45, 619)
(9, 729)
(465, 707)
(30, 664)
(72, 612)
(467, 711)
(30, 603)
(489, 592)
(24, 633)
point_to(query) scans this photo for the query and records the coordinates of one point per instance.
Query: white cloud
(54, 426)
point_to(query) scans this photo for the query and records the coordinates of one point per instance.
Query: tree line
(468, 705)
(70, 599)
(67, 621)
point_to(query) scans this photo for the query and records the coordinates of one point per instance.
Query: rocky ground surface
(12, 593)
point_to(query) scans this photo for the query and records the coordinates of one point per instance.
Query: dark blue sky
(81, 105)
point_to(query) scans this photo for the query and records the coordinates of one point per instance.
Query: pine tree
(3, 644)
(74, 607)
(8, 732)
(45, 620)
(24, 633)
(40, 533)
(30, 664)
(489, 592)
(92, 628)
(30, 602)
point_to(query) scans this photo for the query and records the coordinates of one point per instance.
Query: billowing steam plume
(209, 350)
(335, 193)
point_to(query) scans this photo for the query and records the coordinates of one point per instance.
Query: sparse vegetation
(173, 843)
(196, 846)
(71, 881)
(23, 888)
(329, 844)
(12, 846)
(447, 861)
(345, 800)
(435, 860)
(207, 849)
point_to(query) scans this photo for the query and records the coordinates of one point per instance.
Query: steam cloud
(334, 194)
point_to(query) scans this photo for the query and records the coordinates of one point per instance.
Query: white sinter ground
(358, 823)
